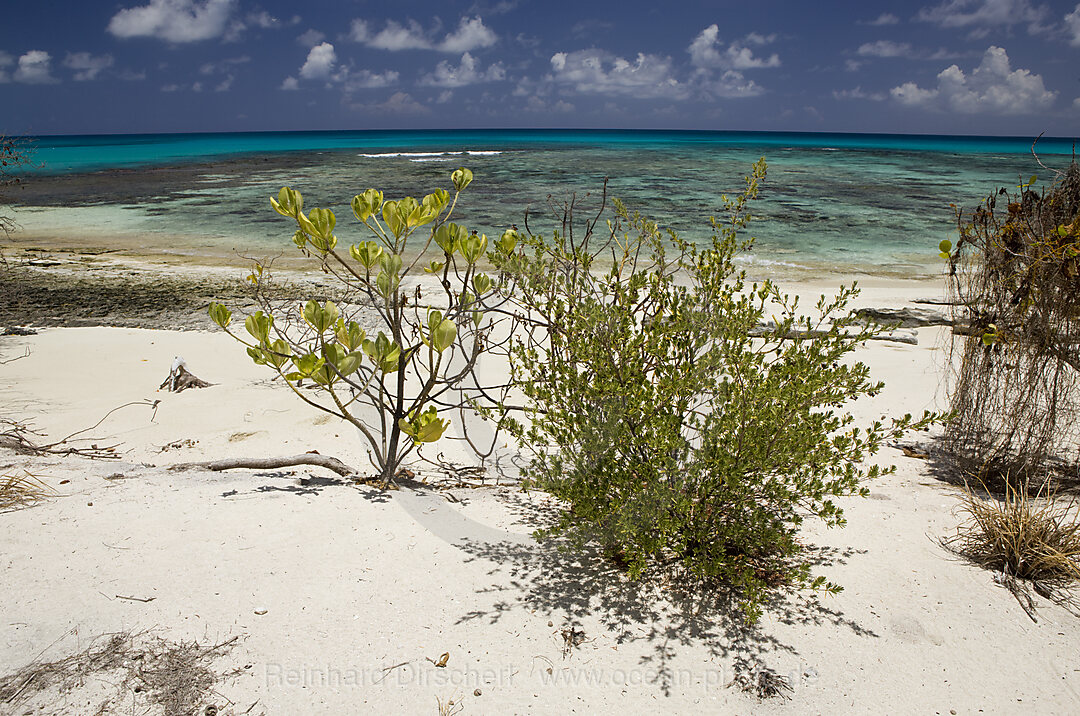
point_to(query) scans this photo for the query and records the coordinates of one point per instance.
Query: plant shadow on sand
(665, 612)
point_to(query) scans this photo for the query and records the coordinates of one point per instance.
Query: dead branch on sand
(271, 463)
(20, 437)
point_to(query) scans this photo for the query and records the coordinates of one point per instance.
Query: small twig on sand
(26, 354)
(136, 599)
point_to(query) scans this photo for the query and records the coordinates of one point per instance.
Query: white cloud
(320, 62)
(993, 88)
(984, 13)
(366, 79)
(174, 20)
(732, 83)
(34, 69)
(885, 48)
(396, 37)
(310, 38)
(290, 83)
(885, 18)
(599, 72)
(471, 34)
(705, 52)
(889, 49)
(756, 38)
(263, 19)
(1072, 26)
(858, 93)
(467, 72)
(87, 66)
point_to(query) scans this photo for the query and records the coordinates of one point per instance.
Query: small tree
(394, 387)
(680, 429)
(1014, 278)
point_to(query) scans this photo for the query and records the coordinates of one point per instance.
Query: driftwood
(181, 379)
(270, 463)
(897, 336)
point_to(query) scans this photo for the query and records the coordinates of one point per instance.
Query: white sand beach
(344, 598)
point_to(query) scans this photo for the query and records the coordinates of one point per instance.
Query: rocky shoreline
(80, 288)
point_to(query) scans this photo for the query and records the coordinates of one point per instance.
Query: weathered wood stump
(181, 379)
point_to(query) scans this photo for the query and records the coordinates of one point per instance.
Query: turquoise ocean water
(833, 203)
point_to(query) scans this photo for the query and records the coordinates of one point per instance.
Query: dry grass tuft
(22, 490)
(761, 682)
(173, 679)
(1023, 535)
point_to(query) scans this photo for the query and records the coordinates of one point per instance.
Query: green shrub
(682, 430)
(395, 387)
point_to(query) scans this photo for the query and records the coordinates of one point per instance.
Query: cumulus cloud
(34, 69)
(1072, 26)
(320, 62)
(993, 87)
(468, 72)
(174, 20)
(985, 14)
(471, 34)
(599, 72)
(87, 66)
(706, 53)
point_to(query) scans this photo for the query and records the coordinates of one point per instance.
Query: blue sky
(943, 66)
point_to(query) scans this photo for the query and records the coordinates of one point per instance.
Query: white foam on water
(414, 156)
